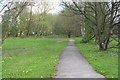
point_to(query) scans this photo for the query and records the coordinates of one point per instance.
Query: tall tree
(10, 17)
(103, 18)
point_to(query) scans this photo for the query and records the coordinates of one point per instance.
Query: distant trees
(5, 25)
(0, 30)
(67, 24)
(18, 19)
(99, 17)
(11, 11)
(98, 20)
(44, 19)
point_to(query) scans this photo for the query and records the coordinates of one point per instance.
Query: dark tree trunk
(69, 34)
(103, 45)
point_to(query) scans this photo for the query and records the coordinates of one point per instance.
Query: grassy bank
(105, 62)
(31, 57)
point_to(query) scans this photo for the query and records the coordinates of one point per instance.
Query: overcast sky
(55, 6)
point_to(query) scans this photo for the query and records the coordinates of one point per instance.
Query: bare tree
(103, 15)
(11, 10)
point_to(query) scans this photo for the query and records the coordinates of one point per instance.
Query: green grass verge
(0, 63)
(104, 62)
(31, 57)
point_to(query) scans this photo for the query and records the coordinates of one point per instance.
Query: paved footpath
(73, 65)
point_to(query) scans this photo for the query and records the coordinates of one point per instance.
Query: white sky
(55, 4)
(56, 7)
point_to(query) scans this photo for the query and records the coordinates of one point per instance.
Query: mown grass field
(104, 62)
(31, 57)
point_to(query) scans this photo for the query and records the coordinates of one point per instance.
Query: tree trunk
(103, 45)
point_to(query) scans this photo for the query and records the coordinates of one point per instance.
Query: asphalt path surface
(73, 65)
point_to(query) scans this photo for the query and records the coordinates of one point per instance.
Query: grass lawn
(31, 57)
(105, 62)
(0, 63)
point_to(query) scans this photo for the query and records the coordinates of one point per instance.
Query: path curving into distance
(73, 65)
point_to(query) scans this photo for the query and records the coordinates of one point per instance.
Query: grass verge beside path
(31, 57)
(0, 63)
(105, 62)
